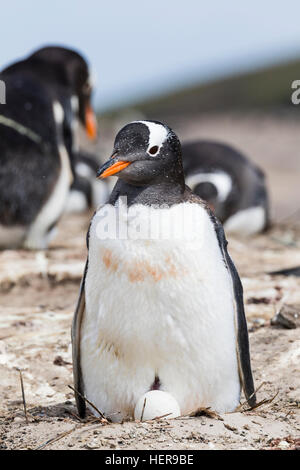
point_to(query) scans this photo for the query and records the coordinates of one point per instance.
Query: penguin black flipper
(242, 339)
(76, 329)
(76, 337)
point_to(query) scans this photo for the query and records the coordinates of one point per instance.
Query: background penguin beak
(90, 122)
(111, 168)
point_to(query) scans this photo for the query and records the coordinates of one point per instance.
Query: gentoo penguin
(66, 76)
(231, 184)
(161, 303)
(35, 171)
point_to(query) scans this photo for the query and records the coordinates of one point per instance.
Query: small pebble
(283, 445)
(18, 419)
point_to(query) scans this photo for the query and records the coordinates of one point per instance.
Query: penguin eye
(153, 150)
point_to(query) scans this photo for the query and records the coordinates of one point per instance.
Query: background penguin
(35, 171)
(66, 76)
(232, 185)
(162, 311)
(87, 191)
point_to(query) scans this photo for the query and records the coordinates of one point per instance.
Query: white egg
(158, 403)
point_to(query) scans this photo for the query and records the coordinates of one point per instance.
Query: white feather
(74, 104)
(77, 202)
(37, 236)
(58, 112)
(75, 123)
(247, 221)
(158, 307)
(157, 134)
(84, 170)
(220, 179)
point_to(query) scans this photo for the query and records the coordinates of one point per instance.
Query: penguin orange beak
(90, 123)
(110, 168)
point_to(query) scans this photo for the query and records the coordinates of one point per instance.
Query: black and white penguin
(66, 76)
(159, 326)
(35, 170)
(231, 184)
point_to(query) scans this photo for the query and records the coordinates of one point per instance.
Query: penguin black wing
(76, 329)
(242, 339)
(76, 338)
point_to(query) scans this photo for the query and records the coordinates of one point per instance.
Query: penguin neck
(160, 193)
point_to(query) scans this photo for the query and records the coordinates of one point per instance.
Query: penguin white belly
(159, 311)
(38, 236)
(247, 221)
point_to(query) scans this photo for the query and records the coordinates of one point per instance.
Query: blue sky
(139, 48)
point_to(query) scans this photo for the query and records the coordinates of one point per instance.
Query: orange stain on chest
(140, 271)
(109, 261)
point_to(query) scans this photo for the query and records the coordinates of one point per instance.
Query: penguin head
(145, 152)
(72, 71)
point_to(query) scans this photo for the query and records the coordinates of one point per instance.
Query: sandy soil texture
(38, 293)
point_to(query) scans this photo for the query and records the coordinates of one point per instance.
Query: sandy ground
(38, 293)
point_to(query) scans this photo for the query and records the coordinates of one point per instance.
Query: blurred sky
(139, 48)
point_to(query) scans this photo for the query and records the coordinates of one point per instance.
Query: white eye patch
(157, 136)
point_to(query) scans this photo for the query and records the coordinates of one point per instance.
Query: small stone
(18, 419)
(283, 445)
(231, 428)
(59, 361)
(287, 317)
